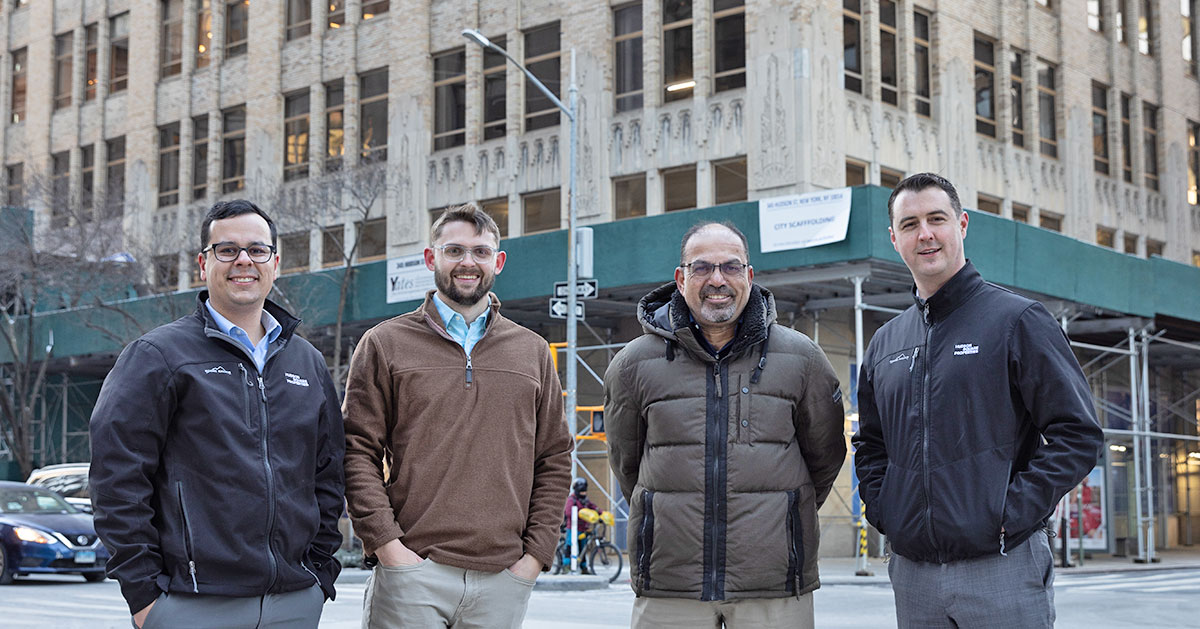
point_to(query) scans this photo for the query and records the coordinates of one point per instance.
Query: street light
(572, 270)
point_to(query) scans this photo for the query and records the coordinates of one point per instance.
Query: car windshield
(32, 501)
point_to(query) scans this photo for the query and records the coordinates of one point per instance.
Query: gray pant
(291, 610)
(994, 591)
(792, 612)
(429, 595)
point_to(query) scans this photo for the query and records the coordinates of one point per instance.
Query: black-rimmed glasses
(228, 251)
(455, 253)
(700, 268)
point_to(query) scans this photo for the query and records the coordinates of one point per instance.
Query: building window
(91, 60)
(1187, 10)
(371, 8)
(335, 145)
(678, 80)
(372, 115)
(1120, 22)
(495, 89)
(332, 251)
(1050, 221)
(1105, 237)
(542, 59)
(449, 99)
(1047, 116)
(1193, 179)
(114, 177)
(118, 61)
(889, 178)
(852, 69)
(19, 4)
(1150, 143)
(1016, 95)
(1100, 128)
(627, 46)
(299, 19)
(15, 191)
(679, 188)
(1045, 4)
(233, 149)
(199, 157)
(856, 173)
(991, 205)
(1126, 138)
(729, 44)
(542, 210)
(1095, 15)
(293, 252)
(171, 43)
(985, 87)
(1154, 248)
(63, 67)
(295, 136)
(729, 181)
(924, 85)
(337, 13)
(60, 181)
(1020, 213)
(168, 164)
(629, 196)
(497, 209)
(19, 69)
(889, 66)
(1196, 262)
(204, 33)
(87, 189)
(372, 239)
(237, 27)
(166, 273)
(1131, 242)
(1145, 26)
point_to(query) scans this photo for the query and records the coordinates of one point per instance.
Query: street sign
(558, 309)
(584, 289)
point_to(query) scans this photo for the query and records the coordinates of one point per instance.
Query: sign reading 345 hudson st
(806, 220)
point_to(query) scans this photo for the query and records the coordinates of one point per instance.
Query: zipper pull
(262, 390)
(468, 370)
(192, 571)
(1002, 553)
(916, 350)
(926, 312)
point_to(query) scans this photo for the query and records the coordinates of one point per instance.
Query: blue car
(40, 533)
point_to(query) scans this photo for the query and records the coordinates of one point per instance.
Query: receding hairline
(704, 227)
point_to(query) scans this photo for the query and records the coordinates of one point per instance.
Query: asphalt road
(1161, 599)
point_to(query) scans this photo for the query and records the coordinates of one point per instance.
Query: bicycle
(598, 556)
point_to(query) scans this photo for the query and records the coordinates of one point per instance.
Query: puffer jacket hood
(665, 313)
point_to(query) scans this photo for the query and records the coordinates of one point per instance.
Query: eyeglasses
(228, 252)
(700, 268)
(455, 253)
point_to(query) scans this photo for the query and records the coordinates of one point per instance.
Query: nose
(924, 232)
(243, 257)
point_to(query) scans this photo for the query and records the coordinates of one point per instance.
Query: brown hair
(467, 213)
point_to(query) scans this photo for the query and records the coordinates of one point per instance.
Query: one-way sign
(584, 289)
(558, 309)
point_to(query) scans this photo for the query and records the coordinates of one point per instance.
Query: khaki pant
(752, 613)
(428, 595)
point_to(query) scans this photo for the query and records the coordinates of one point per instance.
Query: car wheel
(6, 575)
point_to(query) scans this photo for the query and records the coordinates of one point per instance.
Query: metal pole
(860, 564)
(572, 272)
(1148, 453)
(1134, 408)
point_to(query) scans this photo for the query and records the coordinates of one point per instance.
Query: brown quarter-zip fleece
(477, 450)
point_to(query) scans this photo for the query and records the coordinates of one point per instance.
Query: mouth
(467, 278)
(929, 252)
(243, 280)
(717, 299)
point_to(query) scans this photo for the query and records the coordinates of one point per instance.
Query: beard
(715, 313)
(445, 283)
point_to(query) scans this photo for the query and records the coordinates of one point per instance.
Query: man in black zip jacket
(974, 420)
(217, 452)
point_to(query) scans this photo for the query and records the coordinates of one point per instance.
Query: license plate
(85, 556)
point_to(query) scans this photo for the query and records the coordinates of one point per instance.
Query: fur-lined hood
(665, 313)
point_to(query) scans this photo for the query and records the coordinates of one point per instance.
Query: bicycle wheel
(556, 567)
(606, 561)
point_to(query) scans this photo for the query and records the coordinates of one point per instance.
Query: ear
(429, 259)
(202, 261)
(962, 222)
(679, 277)
(500, 258)
(749, 274)
(892, 235)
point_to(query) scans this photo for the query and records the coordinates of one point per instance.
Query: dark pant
(1016, 590)
(291, 610)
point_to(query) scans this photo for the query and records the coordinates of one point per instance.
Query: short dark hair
(229, 209)
(467, 213)
(695, 229)
(921, 181)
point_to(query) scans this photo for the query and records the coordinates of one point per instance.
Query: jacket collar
(664, 312)
(430, 313)
(285, 319)
(951, 295)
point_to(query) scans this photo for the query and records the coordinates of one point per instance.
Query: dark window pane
(629, 196)
(679, 189)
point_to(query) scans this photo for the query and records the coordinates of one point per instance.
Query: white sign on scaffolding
(408, 278)
(806, 220)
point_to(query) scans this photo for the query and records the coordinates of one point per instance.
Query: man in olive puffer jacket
(725, 432)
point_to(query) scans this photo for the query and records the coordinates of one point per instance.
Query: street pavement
(1105, 592)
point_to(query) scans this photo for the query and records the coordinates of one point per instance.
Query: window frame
(91, 61)
(495, 75)
(20, 84)
(734, 77)
(1047, 145)
(233, 172)
(630, 99)
(169, 150)
(852, 79)
(1193, 167)
(1150, 161)
(623, 209)
(375, 152)
(1101, 155)
(984, 125)
(550, 115)
(889, 93)
(679, 87)
(64, 69)
(450, 93)
(114, 177)
(1016, 96)
(170, 50)
(297, 19)
(923, 101)
(199, 187)
(335, 133)
(118, 49)
(204, 31)
(235, 46)
(545, 194)
(666, 175)
(297, 128)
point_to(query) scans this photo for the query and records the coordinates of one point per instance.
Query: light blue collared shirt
(257, 352)
(465, 335)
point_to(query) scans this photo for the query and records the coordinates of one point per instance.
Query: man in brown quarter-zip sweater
(464, 410)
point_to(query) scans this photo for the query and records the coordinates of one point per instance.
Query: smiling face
(240, 287)
(929, 237)
(716, 300)
(466, 281)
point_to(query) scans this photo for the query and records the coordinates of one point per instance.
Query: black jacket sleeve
(330, 487)
(870, 450)
(1058, 401)
(128, 429)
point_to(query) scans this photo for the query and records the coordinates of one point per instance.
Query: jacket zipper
(1003, 506)
(468, 369)
(925, 434)
(793, 552)
(314, 575)
(187, 539)
(266, 453)
(446, 335)
(644, 535)
(716, 477)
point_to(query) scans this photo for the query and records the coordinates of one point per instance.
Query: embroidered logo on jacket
(899, 358)
(964, 349)
(219, 369)
(296, 380)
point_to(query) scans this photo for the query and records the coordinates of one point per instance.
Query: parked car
(40, 533)
(69, 480)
